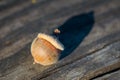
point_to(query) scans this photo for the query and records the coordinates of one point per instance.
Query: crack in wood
(103, 74)
(103, 71)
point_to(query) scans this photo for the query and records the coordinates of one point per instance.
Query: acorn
(46, 49)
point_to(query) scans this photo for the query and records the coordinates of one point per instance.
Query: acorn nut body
(46, 49)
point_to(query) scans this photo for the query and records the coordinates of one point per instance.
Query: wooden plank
(112, 76)
(90, 66)
(22, 17)
(5, 4)
(25, 32)
(22, 60)
(19, 30)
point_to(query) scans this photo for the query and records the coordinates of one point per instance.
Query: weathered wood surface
(98, 52)
(112, 76)
(88, 67)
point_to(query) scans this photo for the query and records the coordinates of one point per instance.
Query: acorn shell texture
(46, 49)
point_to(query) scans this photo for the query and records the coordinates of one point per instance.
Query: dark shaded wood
(5, 4)
(96, 53)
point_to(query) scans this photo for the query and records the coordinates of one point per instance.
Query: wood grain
(111, 76)
(21, 21)
(90, 66)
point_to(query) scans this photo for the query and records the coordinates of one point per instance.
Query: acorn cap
(52, 40)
